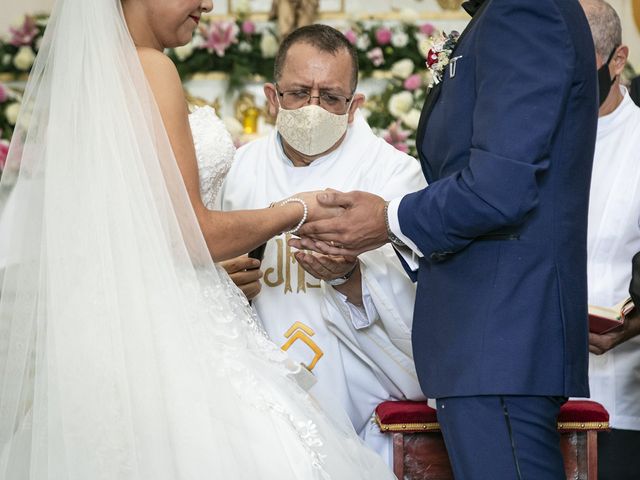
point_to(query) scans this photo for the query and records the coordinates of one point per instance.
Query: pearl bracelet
(305, 214)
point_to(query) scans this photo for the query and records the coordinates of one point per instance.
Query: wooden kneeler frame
(419, 452)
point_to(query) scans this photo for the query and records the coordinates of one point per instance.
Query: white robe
(361, 357)
(613, 239)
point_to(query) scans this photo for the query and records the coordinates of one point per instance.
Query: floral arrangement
(244, 50)
(238, 48)
(395, 113)
(9, 109)
(380, 46)
(19, 50)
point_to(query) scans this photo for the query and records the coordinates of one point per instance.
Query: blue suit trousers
(502, 437)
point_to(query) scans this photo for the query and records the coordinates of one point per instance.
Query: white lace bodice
(214, 151)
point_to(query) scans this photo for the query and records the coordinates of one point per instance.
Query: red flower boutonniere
(439, 54)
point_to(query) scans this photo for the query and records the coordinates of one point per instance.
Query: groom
(497, 240)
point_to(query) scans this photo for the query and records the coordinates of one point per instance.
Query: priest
(347, 319)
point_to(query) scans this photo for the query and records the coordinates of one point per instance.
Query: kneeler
(419, 452)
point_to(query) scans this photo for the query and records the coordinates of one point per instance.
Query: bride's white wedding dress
(125, 354)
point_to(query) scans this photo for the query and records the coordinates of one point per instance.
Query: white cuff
(411, 253)
(361, 317)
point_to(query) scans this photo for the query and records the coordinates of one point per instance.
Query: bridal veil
(124, 353)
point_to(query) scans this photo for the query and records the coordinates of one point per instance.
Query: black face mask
(604, 78)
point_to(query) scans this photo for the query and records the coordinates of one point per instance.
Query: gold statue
(247, 113)
(292, 14)
(193, 101)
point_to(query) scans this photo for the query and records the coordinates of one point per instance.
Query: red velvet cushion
(583, 415)
(406, 416)
(406, 412)
(409, 416)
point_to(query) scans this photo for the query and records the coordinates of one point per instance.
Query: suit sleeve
(524, 67)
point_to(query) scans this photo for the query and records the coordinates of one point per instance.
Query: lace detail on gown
(214, 151)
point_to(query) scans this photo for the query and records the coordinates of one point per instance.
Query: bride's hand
(317, 211)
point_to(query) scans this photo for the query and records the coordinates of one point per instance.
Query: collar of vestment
(472, 6)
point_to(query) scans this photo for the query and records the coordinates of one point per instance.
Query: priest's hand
(601, 343)
(245, 273)
(360, 227)
(333, 267)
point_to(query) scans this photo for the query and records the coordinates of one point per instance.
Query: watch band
(336, 282)
(392, 236)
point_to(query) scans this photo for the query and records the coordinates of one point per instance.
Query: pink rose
(248, 27)
(427, 29)
(3, 93)
(397, 137)
(413, 82)
(4, 152)
(376, 56)
(383, 36)
(351, 36)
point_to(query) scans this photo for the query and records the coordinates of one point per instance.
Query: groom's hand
(360, 227)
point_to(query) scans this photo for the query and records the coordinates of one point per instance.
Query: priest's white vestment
(360, 356)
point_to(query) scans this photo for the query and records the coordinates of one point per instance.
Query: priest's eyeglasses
(331, 102)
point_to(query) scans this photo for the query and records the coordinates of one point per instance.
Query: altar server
(613, 240)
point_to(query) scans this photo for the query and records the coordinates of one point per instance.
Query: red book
(604, 319)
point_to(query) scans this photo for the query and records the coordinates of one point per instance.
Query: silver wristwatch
(336, 282)
(392, 236)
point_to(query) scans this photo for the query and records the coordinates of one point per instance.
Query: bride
(125, 354)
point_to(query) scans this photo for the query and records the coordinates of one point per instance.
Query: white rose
(402, 68)
(424, 44)
(363, 42)
(243, 7)
(197, 41)
(244, 46)
(399, 39)
(268, 45)
(412, 119)
(233, 126)
(400, 103)
(18, 21)
(6, 59)
(11, 112)
(24, 58)
(366, 113)
(428, 78)
(183, 52)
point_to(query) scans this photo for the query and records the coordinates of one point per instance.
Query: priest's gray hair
(605, 26)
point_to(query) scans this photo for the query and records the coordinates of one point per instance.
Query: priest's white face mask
(311, 130)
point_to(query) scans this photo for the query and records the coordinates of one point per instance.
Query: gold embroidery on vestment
(300, 331)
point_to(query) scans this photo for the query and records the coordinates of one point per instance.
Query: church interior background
(231, 56)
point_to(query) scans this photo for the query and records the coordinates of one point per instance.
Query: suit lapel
(434, 94)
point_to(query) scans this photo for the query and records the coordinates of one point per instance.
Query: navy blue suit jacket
(507, 148)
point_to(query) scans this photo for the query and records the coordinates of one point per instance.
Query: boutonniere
(439, 55)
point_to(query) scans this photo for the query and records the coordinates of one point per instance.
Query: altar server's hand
(245, 273)
(360, 227)
(600, 344)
